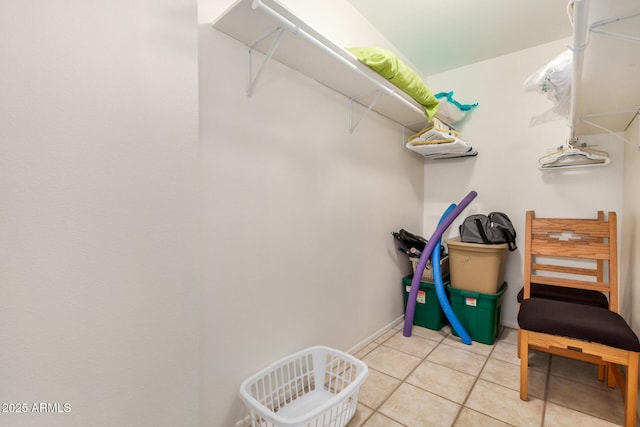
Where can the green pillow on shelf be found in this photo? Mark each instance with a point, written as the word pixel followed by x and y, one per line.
pixel 385 63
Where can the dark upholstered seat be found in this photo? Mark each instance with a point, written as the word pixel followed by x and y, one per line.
pixel 585 322
pixel 581 296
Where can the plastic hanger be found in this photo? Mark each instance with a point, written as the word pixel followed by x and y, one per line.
pixel 569 156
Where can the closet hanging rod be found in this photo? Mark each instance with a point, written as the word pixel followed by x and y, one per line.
pixel 580 31
pixel 296 30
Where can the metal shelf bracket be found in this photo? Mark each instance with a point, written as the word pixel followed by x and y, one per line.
pixel 252 82
pixel 353 125
pixel 596 28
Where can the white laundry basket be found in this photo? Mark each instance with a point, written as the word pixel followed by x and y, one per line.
pixel 315 387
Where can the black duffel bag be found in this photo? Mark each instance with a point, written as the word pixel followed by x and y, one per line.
pixel 488 229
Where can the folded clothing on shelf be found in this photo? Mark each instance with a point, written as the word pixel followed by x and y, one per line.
pixel 438 141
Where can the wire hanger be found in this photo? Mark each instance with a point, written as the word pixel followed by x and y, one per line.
pixel 568 156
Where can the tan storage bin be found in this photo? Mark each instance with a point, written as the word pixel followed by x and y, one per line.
pixel 476 267
pixel 427 276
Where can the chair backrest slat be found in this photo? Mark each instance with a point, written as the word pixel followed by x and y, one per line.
pixel 592 227
pixel 571 249
pixel 565 269
pixel 571 283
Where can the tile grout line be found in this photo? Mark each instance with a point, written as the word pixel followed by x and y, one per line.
pixel 376 409
pixel 463 405
pixel 547 372
pixel 402 381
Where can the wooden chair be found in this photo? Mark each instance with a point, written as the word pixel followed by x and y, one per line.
pixel 573 253
pixel 582 296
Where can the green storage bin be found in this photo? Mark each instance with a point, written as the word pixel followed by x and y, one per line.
pixel 478 313
pixel 428 313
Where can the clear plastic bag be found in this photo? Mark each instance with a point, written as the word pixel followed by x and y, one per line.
pixel 554 81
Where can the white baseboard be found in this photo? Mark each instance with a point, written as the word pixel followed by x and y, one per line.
pixel 362 344
pixel 245 422
pixel 512 325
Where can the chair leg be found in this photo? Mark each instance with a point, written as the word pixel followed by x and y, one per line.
pixel 631 395
pixel 523 340
pixel 611 378
pixel 601 372
pixel 518 334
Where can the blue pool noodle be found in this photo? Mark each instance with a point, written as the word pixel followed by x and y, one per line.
pixel 439 285
pixel 422 263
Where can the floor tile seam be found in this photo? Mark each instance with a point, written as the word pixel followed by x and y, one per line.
pixel 422 359
pixel 581 411
pixel 602 386
pixel 546 399
pixel 404 381
pixel 413 334
pixel 400 382
pixel 383 341
pixel 607 389
pixel 543 371
pixel 387 375
pixel 426 391
pixel 510 363
pixel 460 405
pixel 433 340
pixel 444 366
pixel 387 417
pixel 470 351
pixel 407 353
pixel 506 386
pixel 475 382
pixel 438 395
pixel 367 418
pixel 490 416
pixel 458 370
pixel 368 352
pixel 377 409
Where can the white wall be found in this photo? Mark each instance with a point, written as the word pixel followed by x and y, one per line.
pixel 505 173
pixel 297 219
pixel 629 254
pixel 99 188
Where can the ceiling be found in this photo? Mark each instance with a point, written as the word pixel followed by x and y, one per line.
pixel 440 35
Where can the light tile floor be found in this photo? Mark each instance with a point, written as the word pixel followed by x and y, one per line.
pixel 433 379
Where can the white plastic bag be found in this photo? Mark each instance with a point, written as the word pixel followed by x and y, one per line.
pixel 452 111
pixel 554 80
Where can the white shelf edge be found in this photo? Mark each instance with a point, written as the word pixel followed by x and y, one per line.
pixel 327 63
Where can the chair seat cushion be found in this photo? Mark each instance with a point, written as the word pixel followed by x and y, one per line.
pixel 581 296
pixel 585 322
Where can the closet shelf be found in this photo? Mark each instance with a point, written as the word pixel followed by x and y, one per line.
pixel 269 28
pixel 606 58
